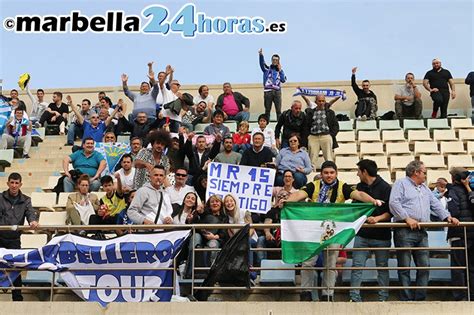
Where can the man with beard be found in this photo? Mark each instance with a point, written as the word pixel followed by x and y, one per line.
pixel 438 81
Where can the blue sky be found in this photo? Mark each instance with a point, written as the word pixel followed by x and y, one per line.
pixel 324 40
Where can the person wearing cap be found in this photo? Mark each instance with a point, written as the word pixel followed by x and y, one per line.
pixel 234 105
pixel 461 206
pixel 327 189
pixel 258 155
pixel 438 81
pixel 410 202
pixel 145 101
pixel 217 126
pixel 228 155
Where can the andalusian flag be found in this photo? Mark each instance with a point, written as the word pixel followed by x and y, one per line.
pixel 308 228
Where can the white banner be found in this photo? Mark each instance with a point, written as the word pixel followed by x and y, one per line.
pixel 106 263
pixel 251 186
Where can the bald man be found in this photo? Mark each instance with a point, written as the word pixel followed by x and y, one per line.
pixel 323 128
pixel 438 81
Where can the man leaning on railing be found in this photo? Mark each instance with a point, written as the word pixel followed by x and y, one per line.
pixel 410 202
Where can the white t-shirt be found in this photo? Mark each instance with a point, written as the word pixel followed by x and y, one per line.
pixel 127 180
pixel 269 136
pixel 166 97
pixel 403 90
pixel 209 99
pixel 177 196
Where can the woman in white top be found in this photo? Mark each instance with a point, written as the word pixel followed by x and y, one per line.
pixel 184 214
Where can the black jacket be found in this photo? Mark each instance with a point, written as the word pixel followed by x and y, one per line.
pixel 292 124
pixel 379 189
pixel 195 166
pixel 461 207
pixel 15 213
pixel 135 129
pixel 331 121
pixel 252 158
pixel 240 99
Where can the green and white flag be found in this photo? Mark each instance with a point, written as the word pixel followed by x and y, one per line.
pixel 308 228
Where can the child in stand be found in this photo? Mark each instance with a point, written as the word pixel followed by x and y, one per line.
pixel 241 138
pixel 440 192
pixel 268 132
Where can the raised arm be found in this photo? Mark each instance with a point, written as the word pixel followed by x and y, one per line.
pixel 79 117
pixel 169 71
pixel 355 87
pixel 127 92
pixel 109 119
pixel 32 99
pixel 261 60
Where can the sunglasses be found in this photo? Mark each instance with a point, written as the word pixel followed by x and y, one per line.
pixel 291 141
pixel 180 175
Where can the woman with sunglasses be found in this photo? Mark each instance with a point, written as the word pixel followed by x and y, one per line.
pixel 294 159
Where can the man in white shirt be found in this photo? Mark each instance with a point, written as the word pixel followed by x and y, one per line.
pixel 38 105
pixel 127 173
pixel 408 99
pixel 179 189
pixel 204 96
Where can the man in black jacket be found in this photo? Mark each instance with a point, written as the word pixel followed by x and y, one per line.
pixel 366 106
pixel 14 208
pixel 258 154
pixel 461 205
pixel 323 128
pixel 140 127
pixel 199 155
pixel 377 188
pixel 293 121
pixel 234 105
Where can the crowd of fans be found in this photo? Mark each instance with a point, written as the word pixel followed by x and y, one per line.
pixel 163 179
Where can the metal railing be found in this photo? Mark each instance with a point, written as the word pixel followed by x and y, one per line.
pixel 55 287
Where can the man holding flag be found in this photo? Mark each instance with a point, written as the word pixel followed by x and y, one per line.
pixel 322 223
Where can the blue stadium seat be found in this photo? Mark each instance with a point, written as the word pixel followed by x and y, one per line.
pixel 272 277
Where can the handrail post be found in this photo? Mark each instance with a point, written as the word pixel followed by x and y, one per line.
pixel 467 264
pixel 193 255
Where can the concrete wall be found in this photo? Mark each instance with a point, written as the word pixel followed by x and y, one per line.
pixel 384 89
pixel 224 308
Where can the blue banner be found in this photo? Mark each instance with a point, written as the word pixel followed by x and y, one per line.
pixel 112 153
pixel 129 261
pixel 5 110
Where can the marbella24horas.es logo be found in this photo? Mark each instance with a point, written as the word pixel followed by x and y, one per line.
pixel 154 19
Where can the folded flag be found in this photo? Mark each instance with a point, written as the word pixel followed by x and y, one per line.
pixel 308 228
pixel 325 92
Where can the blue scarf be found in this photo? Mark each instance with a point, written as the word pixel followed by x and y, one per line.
pixel 324 190
pixel 325 92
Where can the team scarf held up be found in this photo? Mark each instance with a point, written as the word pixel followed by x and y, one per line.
pixel 325 92
pixel 308 228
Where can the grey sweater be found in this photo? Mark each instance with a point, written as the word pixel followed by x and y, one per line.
pixel 145 205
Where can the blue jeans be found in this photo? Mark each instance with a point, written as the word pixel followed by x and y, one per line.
pixel 300 180
pixel 69 185
pixel 405 237
pixel 359 258
pixel 200 241
pixel 241 147
pixel 260 255
pixel 241 116
pixel 73 132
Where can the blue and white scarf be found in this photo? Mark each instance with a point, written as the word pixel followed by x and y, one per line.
pixel 325 92
pixel 324 191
